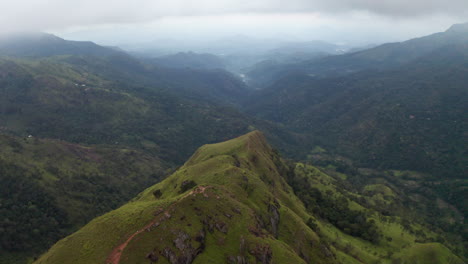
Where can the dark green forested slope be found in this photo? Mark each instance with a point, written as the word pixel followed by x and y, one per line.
pixel 50 188
pixel 203 84
pixel 51 99
pixel 411 118
pixel 206 85
pixel 231 203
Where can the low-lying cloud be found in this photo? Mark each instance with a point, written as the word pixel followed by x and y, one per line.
pixel 62 14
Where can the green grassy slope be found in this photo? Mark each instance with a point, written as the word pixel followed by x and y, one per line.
pixel 375 220
pixel 241 209
pixel 50 188
pixel 230 203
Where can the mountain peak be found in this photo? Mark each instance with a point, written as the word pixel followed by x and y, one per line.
pixel 251 142
pixel 229 205
pixel 459 28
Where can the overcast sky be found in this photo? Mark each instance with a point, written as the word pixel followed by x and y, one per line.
pixel 124 21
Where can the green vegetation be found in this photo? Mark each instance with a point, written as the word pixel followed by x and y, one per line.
pixel 242 209
pixel 411 118
pixel 78 102
pixel 399 208
pixel 50 188
pixel 408 118
pixel 427 253
pixel 129 115
pixel 85 128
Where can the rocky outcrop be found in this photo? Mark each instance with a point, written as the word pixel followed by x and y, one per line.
pixel 187 253
pixel 274 218
pixel 241 258
pixel 262 253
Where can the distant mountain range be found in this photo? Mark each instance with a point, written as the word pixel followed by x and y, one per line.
pixel 43 44
pixel 386 56
pixel 407 117
pixel 236 53
pixel 209 83
pixel 189 60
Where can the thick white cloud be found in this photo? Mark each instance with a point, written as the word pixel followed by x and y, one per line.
pixel 62 14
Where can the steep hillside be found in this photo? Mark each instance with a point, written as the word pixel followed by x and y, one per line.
pixel 50 188
pixel 230 203
pixel 408 118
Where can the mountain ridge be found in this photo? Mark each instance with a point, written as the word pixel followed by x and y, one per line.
pixel 462 27
pixel 231 203
pixel 236 159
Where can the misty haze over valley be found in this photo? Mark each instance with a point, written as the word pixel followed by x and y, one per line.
pixel 238 132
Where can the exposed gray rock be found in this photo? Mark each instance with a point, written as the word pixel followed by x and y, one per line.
pixel 274 219
pixel 186 252
pixel 222 227
pixel 153 257
pixel 262 254
pixel 237 260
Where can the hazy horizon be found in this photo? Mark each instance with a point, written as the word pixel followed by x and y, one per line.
pixel 145 23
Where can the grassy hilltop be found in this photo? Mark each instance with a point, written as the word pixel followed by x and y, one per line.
pixel 231 203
